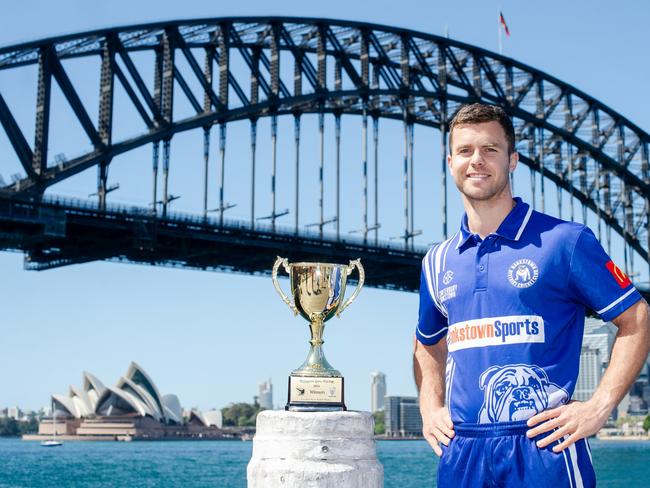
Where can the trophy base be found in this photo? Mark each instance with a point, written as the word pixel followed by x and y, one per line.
pixel 315 394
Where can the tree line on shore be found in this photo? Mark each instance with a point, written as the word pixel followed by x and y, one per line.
pixel 234 415
pixel 13 428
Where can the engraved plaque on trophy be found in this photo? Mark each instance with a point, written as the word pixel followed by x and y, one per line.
pixel 318 292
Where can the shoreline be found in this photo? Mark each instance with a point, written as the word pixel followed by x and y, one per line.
pixel 636 438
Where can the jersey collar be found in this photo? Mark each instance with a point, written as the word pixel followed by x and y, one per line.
pixel 511 228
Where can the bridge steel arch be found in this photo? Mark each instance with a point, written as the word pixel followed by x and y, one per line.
pixel 573 140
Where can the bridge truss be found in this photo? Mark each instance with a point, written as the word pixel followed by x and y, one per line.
pixel 293 67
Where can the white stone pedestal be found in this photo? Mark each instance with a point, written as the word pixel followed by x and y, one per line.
pixel 314 450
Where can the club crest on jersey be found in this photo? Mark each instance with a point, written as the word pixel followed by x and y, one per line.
pixel 523 273
pixel 449 275
pixel 517 392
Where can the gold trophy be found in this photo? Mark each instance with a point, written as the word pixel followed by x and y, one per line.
pixel 318 290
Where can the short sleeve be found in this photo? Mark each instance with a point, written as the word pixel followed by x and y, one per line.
pixel 596 282
pixel 432 325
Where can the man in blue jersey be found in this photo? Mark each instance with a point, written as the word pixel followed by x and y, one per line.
pixel 501 320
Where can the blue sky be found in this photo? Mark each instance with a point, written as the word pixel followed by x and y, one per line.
pixel 211 337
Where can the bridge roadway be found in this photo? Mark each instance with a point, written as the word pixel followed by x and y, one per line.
pixel 57 232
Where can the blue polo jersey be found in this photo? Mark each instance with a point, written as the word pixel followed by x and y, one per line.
pixel 511 308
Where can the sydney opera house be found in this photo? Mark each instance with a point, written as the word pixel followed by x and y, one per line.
pixel 132 409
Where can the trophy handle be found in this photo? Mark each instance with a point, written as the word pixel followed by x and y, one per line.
pixel 362 276
pixel 274 276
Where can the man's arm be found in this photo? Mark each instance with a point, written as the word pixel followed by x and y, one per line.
pixel 429 364
pixel 582 419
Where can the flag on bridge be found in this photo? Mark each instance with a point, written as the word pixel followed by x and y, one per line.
pixel 502 21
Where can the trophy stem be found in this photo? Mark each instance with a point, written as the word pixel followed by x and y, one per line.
pixel 316 364
pixel 317 326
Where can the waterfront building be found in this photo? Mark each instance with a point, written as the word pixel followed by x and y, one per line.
pixel 377 391
pixel 265 395
pixel 133 408
pixel 402 416
pixel 211 418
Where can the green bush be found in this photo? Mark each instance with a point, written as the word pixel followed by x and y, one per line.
pixel 379 423
pixel 240 415
pixel 9 428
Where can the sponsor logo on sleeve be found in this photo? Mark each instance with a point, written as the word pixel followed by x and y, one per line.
pixel 495 331
pixel 620 277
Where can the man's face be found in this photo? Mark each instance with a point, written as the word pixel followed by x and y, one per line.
pixel 479 161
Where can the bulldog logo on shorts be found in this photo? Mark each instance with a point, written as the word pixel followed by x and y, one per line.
pixel 517 392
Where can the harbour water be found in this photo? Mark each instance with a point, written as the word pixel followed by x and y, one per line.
pixel 223 464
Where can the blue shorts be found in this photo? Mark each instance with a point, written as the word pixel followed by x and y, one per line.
pixel 491 455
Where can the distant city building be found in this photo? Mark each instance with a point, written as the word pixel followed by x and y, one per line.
pixel 14 413
pixel 624 406
pixel 591 368
pixel 265 395
pixel 597 345
pixel 402 416
pixel 377 391
pixel 593 324
pixel 637 406
pixel 600 335
pixel 645 394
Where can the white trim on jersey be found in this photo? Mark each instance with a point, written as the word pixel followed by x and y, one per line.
pixel 429 336
pixel 428 271
pixel 432 268
pixel 451 365
pixel 523 224
pixel 460 238
pixel 573 455
pixel 437 270
pixel 616 302
pixel 566 462
pixel 588 451
pixel 444 260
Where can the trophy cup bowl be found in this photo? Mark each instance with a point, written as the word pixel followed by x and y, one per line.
pixel 318 292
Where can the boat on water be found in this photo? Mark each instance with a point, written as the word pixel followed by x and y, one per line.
pixel 53 442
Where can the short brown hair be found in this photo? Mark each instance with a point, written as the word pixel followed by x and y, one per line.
pixel 478 113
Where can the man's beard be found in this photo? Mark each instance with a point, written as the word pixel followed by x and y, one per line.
pixel 483 194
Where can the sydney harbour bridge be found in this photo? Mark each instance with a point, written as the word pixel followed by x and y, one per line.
pixel 154 82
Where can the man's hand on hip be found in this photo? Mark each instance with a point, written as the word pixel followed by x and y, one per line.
pixel 437 427
pixel 576 420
